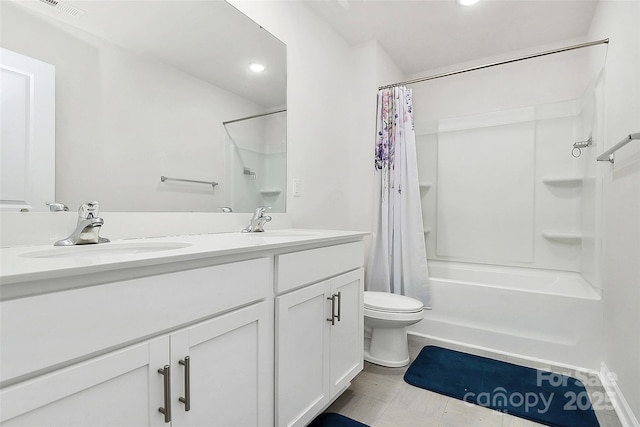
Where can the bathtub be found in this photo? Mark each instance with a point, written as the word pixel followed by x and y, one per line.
pixel 543 315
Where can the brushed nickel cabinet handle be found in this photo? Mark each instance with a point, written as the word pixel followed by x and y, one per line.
pixel 186 362
pixel 332 319
pixel 166 410
pixel 339 295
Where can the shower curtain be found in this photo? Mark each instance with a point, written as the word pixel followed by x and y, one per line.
pixel 398 258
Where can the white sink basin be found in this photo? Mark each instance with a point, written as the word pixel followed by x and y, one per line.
pixel 105 249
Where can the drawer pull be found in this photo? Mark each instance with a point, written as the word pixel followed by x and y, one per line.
pixel 332 319
pixel 166 410
pixel 186 362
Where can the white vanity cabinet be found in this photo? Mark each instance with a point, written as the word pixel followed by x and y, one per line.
pixel 227 345
pixel 114 389
pixel 225 358
pixel 319 329
pixel 230 363
pixel 242 331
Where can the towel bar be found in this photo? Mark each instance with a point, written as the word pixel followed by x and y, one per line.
pixel 608 155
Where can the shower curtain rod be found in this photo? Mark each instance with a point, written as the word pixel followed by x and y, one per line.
pixel 493 64
pixel 254 117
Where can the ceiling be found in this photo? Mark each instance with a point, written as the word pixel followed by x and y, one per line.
pixel 422 35
pixel 419 35
pixel 210 40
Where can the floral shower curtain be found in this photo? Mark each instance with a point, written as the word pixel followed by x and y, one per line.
pixel 398 258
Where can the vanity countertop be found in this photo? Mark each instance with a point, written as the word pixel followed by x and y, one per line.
pixel 46 262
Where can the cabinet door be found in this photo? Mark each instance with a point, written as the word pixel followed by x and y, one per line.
pixel 347 334
pixel 302 354
pixel 230 371
pixel 122 388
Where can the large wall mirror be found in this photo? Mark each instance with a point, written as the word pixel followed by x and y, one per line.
pixel 150 89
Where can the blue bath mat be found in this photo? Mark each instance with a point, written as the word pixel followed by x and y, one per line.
pixel 329 419
pixel 544 397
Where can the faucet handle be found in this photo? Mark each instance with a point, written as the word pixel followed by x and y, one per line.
pixel 261 210
pixel 88 210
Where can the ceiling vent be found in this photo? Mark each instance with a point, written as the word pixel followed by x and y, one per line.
pixel 65 8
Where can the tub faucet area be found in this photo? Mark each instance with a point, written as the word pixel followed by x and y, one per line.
pixel 87 229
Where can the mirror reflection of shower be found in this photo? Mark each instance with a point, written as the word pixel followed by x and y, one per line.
pixel 256 154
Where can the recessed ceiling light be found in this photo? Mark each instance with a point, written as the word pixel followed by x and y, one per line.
pixel 467 2
pixel 256 68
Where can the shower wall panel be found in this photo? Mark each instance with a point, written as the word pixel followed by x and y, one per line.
pixel 495 147
pixel 557 203
pixel 485 203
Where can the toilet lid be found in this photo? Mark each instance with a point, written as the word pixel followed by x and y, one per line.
pixel 383 301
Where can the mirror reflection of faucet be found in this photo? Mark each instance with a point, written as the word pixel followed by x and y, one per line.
pixel 57 207
pixel 258 221
pixel 87 229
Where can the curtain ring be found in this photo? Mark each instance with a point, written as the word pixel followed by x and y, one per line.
pixel 573 152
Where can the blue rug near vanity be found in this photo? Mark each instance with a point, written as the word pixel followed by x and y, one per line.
pixel 544 397
pixel 329 419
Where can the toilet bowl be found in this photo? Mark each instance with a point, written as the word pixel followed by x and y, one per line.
pixel 386 317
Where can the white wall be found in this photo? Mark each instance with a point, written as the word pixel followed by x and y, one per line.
pixel 620 21
pixel 373 68
pixel 122 121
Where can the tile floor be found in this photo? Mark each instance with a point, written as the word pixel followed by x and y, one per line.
pixel 379 397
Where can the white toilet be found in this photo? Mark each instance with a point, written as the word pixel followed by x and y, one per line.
pixel 386 317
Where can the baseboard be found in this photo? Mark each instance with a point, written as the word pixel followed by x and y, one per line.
pixel 531 362
pixel 620 404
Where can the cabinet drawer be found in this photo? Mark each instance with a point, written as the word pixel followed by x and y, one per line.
pixel 45 330
pixel 297 269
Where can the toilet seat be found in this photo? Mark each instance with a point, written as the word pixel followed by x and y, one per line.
pixel 391 303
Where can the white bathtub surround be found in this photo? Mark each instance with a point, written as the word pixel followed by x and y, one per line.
pixel 540 314
pixel 526 281
pixel 398 259
pixel 505 187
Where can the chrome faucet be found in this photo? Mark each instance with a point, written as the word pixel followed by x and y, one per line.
pixel 258 221
pixel 88 227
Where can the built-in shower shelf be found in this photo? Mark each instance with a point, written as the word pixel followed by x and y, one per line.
pixel 563 181
pixel 570 237
pixel 424 187
pixel 270 191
